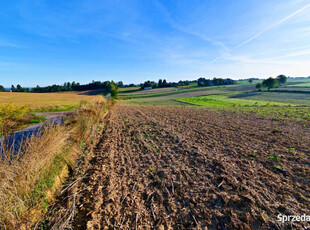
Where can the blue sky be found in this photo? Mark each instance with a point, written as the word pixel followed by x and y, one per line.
pixel 49 41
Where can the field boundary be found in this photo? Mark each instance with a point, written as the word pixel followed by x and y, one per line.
pixel 40 170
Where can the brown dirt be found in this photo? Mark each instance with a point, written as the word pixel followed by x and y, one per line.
pixel 186 168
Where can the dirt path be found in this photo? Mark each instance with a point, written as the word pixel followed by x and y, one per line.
pixel 184 168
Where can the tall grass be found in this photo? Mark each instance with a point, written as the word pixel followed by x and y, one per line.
pixel 10 116
pixel 29 178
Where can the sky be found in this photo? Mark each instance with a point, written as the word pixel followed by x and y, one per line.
pixel 47 42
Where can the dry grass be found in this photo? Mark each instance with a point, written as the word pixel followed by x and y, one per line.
pixel 39 101
pixel 27 179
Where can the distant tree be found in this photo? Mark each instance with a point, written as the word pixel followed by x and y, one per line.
pixel 183 83
pixel 203 82
pixel 19 88
pixel 120 84
pixel 259 86
pixel 281 79
pixel 250 80
pixel 114 89
pixel 221 81
pixel 131 85
pixel 229 81
pixel 2 89
pixel 216 81
pixel 147 84
pixel 269 83
pixel 13 88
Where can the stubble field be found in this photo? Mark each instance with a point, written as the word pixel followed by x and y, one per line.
pixel 45 102
pixel 188 168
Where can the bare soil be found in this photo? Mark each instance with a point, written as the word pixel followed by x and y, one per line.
pixel 189 168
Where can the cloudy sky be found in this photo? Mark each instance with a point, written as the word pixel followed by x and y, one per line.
pixel 46 41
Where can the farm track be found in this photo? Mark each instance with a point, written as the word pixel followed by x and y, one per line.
pixel 185 168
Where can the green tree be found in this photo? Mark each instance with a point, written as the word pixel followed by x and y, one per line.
pixel 114 89
pixel 250 80
pixel 19 88
pixel 281 79
pixel 2 89
pixel 259 86
pixel 270 83
pixel 13 88
pixel 216 81
pixel 160 83
pixel 203 82
pixel 120 84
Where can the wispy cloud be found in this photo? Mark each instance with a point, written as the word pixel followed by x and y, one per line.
pixel 274 25
pixel 8 44
pixel 188 28
pixel 227 53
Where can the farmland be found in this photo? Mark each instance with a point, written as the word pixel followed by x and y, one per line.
pixel 186 158
pixel 45 102
pixel 155 115
pixel 197 158
pixel 180 168
pixel 251 106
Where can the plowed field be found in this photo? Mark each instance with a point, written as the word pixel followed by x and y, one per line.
pixel 187 168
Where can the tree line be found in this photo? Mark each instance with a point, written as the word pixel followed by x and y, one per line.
pixel 107 86
pixel 200 82
pixel 270 83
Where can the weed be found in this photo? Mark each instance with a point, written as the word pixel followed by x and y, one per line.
pixel 278 167
pixel 82 144
pixel 271 157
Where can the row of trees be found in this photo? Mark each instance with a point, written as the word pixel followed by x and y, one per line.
pixel 19 88
pixel 200 82
pixel 160 84
pixel 270 83
pixel 107 86
pixel 215 81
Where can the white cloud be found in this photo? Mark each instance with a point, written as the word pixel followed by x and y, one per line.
pixel 274 25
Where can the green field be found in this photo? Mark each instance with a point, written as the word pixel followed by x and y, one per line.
pixel 256 105
pixel 242 97
pixel 305 84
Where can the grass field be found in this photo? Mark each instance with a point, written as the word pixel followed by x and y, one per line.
pixel 283 97
pixel 46 102
pixel 235 98
pixel 270 107
pixel 306 84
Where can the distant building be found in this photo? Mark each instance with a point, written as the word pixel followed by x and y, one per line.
pixel 146 88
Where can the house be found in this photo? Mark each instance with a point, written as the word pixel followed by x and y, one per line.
pixel 146 88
